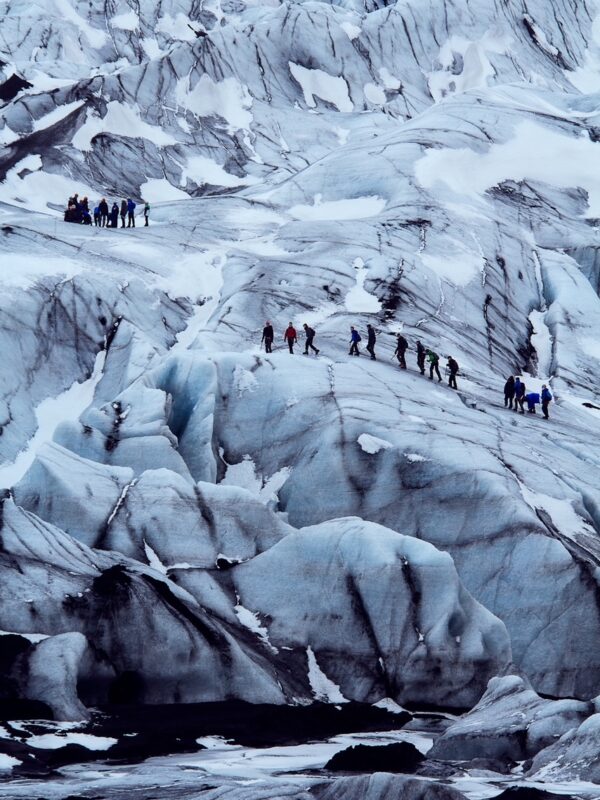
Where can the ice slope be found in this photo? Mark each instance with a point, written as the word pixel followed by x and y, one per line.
pixel 430 169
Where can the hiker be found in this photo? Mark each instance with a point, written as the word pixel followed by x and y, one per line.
pixel 290 337
pixel 146 213
pixel 85 206
pixel 509 392
pixel 267 337
pixel 371 339
pixel 114 216
pixel 96 216
pixel 421 357
pixel 532 398
pixel 355 338
pixel 434 361
pixel 452 365
pixel 103 208
pixel 519 395
pixel 401 347
pixel 87 220
pixel 546 400
pixel 130 210
pixel 310 335
pixel 123 212
pixel 70 214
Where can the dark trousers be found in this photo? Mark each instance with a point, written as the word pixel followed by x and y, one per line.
pixel 371 349
pixel 104 220
pixel 519 402
pixel 309 343
pixel 130 220
pixel 452 381
pixel 401 359
pixel 268 343
pixel 508 400
pixel 96 220
pixel 290 343
pixel 421 363
pixel 145 220
pixel 122 220
pixel 353 349
pixel 435 367
pixel 545 405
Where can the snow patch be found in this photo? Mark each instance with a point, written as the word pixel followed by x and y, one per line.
pixel 316 83
pixel 159 190
pixel 52 741
pixel 415 458
pixel 355 208
pixel 56 115
pixel 374 94
pixel 176 27
pixel 358 300
pixel 228 99
pixel 203 170
pixel 129 21
pixel 8 762
pixel 352 31
pixel 373 444
pixel 324 689
pixel 249 619
pixel 120 120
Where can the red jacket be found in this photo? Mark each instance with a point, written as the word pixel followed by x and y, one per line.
pixel 290 334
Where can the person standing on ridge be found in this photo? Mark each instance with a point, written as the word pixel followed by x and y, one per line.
pixel 371 340
pixel 546 400
pixel 114 216
pixel 421 352
pixel 519 395
pixel 509 392
pixel 453 371
pixel 130 210
pixel 267 336
pixel 401 347
pixel 103 208
pixel 355 338
pixel 291 337
pixel 123 212
pixel 434 361
pixel 146 213
pixel 97 216
pixel 310 335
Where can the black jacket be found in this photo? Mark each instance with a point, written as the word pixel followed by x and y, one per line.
pixel 371 337
pixel 401 345
pixel 268 332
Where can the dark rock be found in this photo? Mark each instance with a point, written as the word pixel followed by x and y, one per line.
pixel 397 757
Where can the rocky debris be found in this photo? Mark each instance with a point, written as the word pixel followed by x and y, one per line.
pixel 398 757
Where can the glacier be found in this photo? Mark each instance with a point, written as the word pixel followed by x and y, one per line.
pixel 186 519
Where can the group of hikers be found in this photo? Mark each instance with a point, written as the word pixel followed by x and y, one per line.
pixel 516 395
pixel 424 354
pixel 514 390
pixel 78 211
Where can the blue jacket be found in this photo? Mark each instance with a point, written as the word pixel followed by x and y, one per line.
pixel 130 206
pixel 546 396
pixel 533 398
pixel 354 336
pixel 519 388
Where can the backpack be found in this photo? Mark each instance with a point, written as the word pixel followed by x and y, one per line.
pixel 358 337
pixel 310 332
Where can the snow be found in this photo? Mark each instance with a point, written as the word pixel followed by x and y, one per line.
pixel 176 27
pixel 355 208
pixel 96 37
pixel 541 339
pixel 129 21
pixel 8 762
pixel 351 30
pixel 244 474
pixel 358 300
pixel 52 741
pixel 204 170
pixel 476 67
pixel 120 120
pixel 228 99
pixel 414 458
pixel 56 115
pixel 374 93
pixel 29 186
pixel 49 414
pixel 154 561
pixel 317 83
pixel 23 271
pixel 388 80
pixel 324 689
pixel 251 621
pixel 535 152
pixel 373 444
pixel 458 265
pixel 159 190
pixel 34 638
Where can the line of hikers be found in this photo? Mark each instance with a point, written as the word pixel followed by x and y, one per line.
pixel 78 211
pixel 516 395
pixel 424 354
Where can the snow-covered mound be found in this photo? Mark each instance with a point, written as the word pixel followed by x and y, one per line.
pixel 189 518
